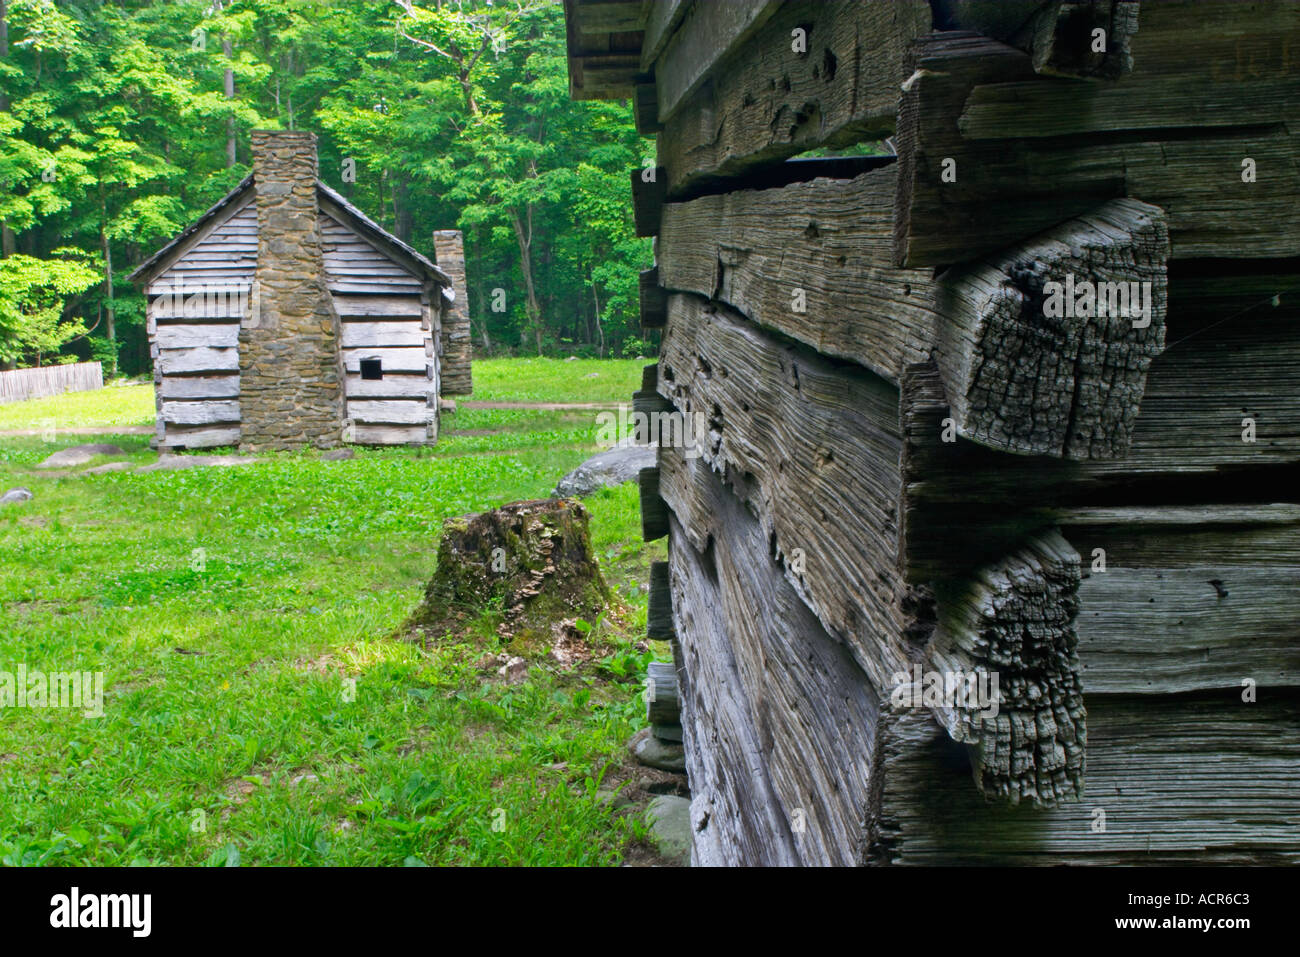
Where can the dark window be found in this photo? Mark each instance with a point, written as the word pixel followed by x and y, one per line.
pixel 372 369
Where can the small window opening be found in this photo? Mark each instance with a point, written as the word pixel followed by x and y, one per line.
pixel 372 368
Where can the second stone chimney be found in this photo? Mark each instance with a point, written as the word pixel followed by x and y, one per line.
pixel 291 375
pixel 457 344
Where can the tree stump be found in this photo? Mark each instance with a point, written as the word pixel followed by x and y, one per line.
pixel 533 560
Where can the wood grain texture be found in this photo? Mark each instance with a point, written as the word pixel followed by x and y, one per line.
pixel 772 699
pixel 811 260
pixel 771 103
pixel 706 35
pixel 1003 190
pixel 198 359
pixel 1187 598
pixel 1181 779
pixel 1014 619
pixel 1033 365
pixel 1230 355
pixel 200 412
pixel 812 448
pixel 389 411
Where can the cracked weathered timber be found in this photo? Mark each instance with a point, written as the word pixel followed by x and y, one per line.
pixel 1181 598
pixel 813 448
pixel 773 103
pixel 777 717
pixel 1004 182
pixel 1015 619
pixel 812 260
pixel 1021 377
pixel 1170 780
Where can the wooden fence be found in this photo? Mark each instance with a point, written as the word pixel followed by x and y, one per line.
pixel 22 384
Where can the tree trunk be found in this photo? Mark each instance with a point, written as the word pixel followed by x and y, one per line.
pixel 600 332
pixel 227 49
pixel 401 208
pixel 6 234
pixel 110 326
pixel 531 305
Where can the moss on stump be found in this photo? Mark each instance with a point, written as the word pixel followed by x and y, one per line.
pixel 532 560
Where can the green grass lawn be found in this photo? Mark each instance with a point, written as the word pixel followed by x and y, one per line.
pixel 258 708
pixel 557 380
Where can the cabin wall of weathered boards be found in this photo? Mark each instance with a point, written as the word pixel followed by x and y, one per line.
pixel 918 459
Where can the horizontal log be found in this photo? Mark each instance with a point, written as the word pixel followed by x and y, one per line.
pixel 735 815
pixel 389 411
pixel 770 696
pixel 811 260
pixel 408 360
pixel 812 448
pixel 199 387
pixel 1165 785
pixel 1187 598
pixel 197 359
pixel 706 35
pixel 216 335
pixel 773 103
pixel 360 434
pixel 200 412
pixel 202 437
pixel 391 387
pixel 661 20
pixel 349 306
pixel 961 197
pixel 362 335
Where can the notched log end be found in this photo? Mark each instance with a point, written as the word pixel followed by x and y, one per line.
pixel 1014 622
pixel 1046 347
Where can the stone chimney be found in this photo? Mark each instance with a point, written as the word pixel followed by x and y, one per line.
pixel 291 375
pixel 457 345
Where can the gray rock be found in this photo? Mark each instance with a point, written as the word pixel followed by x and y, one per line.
pixel 109 467
pixel 78 455
pixel 667 732
pixel 669 817
pixel 611 467
pixel 171 463
pixel 654 753
pixel 337 455
pixel 19 494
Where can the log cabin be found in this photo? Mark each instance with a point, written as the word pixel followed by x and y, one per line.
pixel 285 317
pixel 918 476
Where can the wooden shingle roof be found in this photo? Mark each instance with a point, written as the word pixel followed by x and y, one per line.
pixel 329 199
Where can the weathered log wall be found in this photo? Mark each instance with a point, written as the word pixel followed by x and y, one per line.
pixel 1015 400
